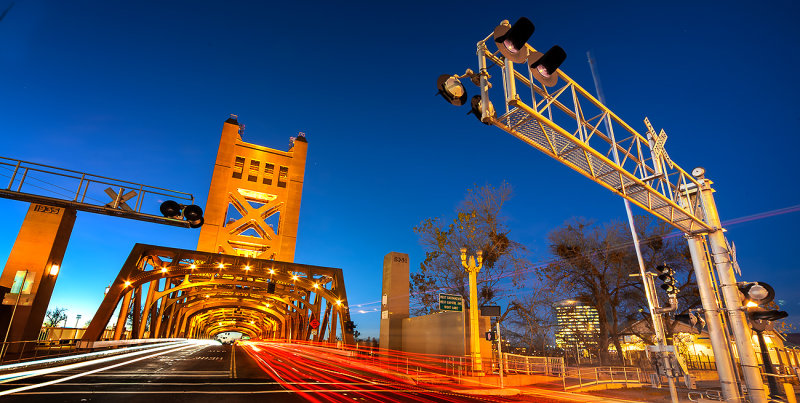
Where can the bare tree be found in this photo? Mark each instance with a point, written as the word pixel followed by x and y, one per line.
pixel 478 226
pixel 55 316
pixel 594 263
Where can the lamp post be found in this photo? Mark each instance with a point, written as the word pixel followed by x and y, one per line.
pixel 473 269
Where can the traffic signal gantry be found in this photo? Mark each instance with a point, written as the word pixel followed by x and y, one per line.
pixel 558 117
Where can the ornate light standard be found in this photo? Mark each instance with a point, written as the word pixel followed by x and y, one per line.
pixel 473 269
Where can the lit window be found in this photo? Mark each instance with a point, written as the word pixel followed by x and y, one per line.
pixel 269 171
pixel 283 176
pixel 238 167
pixel 253 174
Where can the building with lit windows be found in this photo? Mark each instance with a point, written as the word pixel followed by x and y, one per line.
pixel 577 325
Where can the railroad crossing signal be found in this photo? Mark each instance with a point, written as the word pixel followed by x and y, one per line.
pixel 119 199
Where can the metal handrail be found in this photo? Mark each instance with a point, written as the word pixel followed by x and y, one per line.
pixel 52 194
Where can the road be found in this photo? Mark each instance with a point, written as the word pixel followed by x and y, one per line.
pixel 196 373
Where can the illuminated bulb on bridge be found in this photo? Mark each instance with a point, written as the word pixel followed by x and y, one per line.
pixel 252 322
pixel 294 277
pixel 268 305
pixel 193 266
pixel 221 266
pixel 207 295
pixel 164 269
pixel 338 302
pixel 127 283
pixel 316 285
pixel 271 271
pixel 247 268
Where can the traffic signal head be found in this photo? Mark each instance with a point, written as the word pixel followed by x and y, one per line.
pixel 475 108
pixel 191 213
pixel 765 314
pixel 544 65
pixel 695 320
pixel 170 209
pixel 757 293
pixel 349 326
pixel 663 269
pixel 511 39
pixel 666 275
pixel 451 89
pixel 670 289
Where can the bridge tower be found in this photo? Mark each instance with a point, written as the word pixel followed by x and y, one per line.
pixel 253 202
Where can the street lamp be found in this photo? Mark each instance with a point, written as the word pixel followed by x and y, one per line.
pixel 473 269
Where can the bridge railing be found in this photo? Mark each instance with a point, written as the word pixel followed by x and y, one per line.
pixel 52 342
pixel 577 378
pixel 528 365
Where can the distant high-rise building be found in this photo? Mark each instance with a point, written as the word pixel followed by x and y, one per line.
pixel 578 325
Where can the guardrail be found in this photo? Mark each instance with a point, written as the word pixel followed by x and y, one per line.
pixel 577 378
pixel 29 350
pixel 523 364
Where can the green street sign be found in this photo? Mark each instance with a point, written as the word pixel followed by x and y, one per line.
pixel 450 302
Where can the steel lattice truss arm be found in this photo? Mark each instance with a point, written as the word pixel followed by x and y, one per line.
pixel 572 126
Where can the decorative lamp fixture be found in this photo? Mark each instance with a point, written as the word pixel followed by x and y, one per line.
pixel 54 270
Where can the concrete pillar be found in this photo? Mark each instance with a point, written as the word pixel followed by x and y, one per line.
pixel 40 245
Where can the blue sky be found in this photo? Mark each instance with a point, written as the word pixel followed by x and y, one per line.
pixel 139 91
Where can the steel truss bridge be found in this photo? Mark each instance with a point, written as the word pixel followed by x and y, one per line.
pixel 171 293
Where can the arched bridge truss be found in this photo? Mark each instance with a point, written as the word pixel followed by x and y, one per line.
pixel 166 292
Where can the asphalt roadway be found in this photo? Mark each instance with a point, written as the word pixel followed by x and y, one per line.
pixel 206 373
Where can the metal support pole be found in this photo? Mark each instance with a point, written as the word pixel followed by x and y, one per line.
pixel 500 353
pixel 484 81
pixel 652 303
pixel 716 331
pixel 732 298
pixel 762 343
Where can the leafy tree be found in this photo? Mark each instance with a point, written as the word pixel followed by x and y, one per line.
pixel 478 226
pixel 594 263
pixel 55 316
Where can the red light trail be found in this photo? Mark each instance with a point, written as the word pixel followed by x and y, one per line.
pixel 321 373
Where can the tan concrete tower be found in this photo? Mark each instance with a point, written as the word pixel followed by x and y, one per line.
pixel 394 300
pixel 253 203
